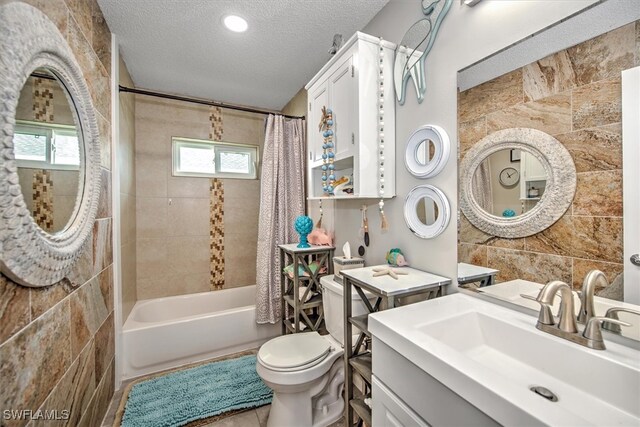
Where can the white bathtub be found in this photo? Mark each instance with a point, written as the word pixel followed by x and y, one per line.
pixel 168 332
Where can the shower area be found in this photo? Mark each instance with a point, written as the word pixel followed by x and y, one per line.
pixel 189 286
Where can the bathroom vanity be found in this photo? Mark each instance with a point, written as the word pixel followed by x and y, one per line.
pixel 472 362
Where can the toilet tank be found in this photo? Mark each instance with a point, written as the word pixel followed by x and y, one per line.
pixel 333 306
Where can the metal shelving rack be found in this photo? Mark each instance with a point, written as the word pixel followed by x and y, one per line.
pixel 387 291
pixel 310 312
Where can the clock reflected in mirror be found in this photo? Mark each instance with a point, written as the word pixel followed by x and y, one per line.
pixel 507 188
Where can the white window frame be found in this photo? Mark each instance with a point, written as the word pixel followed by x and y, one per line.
pixel 217 146
pixel 45 129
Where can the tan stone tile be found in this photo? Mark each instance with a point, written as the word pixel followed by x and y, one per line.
pixel 182 186
pixel 170 285
pixel 129 295
pixel 637 43
pixel 470 234
pixel 551 115
pixel 35 359
pixel 105 346
pixel 152 217
pixel 605 56
pixel 472 254
pixel 188 254
pixel 74 391
pixel 88 311
pixel 104 202
pixel 595 149
pixel 127 218
pixel 243 419
pixel 102 245
pixel 100 402
pixel 42 299
pixel 469 133
pixel 56 10
pixel 557 239
pixel 497 94
pixel 152 175
pixel 583 266
pixel 101 37
pixel 104 129
pixel 105 279
pixel 81 12
pixel 263 413
pixel 536 267
pixel 597 104
pixel 152 256
pixel 188 217
pixel 83 268
pixel 549 76
pixel 499 242
pixel 598 194
pixel 14 308
pixel 598 238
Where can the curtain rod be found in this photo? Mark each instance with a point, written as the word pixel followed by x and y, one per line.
pixel 202 101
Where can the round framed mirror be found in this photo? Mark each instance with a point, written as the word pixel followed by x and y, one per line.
pixel 427 151
pixel 427 211
pixel 50 162
pixel 516 182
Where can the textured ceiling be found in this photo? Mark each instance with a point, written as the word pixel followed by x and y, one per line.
pixel 181 46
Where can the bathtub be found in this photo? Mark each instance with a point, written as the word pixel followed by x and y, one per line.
pixel 164 333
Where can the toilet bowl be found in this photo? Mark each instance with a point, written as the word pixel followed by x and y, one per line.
pixel 306 370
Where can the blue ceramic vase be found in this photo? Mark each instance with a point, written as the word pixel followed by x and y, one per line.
pixel 303 226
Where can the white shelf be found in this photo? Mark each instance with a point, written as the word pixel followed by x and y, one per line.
pixel 348 197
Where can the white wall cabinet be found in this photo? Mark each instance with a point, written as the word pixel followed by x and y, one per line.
pixel 348 85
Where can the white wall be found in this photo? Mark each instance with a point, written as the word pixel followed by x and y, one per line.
pixel 466 36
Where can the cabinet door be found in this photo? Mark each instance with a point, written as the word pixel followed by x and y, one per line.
pixel 342 97
pixel 318 98
pixel 390 411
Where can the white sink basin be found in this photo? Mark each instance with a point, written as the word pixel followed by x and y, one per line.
pixel 491 356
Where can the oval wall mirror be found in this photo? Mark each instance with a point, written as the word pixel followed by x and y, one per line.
pixel 50 164
pixel 427 151
pixel 427 211
pixel 516 182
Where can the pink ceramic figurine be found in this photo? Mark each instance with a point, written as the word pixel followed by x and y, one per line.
pixel 320 237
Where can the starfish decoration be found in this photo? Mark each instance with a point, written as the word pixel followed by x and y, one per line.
pixel 323 120
pixel 390 271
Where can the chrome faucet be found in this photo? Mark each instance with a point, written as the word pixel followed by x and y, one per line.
pixel 566 314
pixel 567 327
pixel 591 280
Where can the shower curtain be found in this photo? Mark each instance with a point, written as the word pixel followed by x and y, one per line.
pixel 481 187
pixel 282 199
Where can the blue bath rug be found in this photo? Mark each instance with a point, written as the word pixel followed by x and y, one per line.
pixel 204 391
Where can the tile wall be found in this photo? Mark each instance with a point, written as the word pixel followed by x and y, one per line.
pixel 173 213
pixel 127 170
pixel 57 343
pixel 574 95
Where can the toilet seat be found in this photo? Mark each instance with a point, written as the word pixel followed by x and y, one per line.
pixel 294 352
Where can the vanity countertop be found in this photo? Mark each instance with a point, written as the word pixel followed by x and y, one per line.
pixel 491 356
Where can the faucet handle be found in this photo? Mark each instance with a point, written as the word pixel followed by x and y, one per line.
pixel 546 316
pixel 593 333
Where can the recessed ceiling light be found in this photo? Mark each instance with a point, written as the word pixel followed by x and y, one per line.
pixel 235 23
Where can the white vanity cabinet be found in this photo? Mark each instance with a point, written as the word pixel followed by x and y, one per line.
pixel 348 85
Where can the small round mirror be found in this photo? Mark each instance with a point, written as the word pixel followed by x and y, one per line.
pixel 425 152
pixel 47 151
pixel 426 211
pixel 509 183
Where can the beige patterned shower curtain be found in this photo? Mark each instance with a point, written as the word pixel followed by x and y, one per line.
pixel 282 199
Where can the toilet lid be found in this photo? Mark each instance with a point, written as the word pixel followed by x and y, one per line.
pixel 295 350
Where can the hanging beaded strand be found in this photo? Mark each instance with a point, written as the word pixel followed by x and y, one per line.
pixel 384 225
pixel 328 175
pixel 319 223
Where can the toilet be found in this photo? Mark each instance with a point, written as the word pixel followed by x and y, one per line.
pixel 306 370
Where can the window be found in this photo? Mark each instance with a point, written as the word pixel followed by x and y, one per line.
pixel 46 146
pixel 201 158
